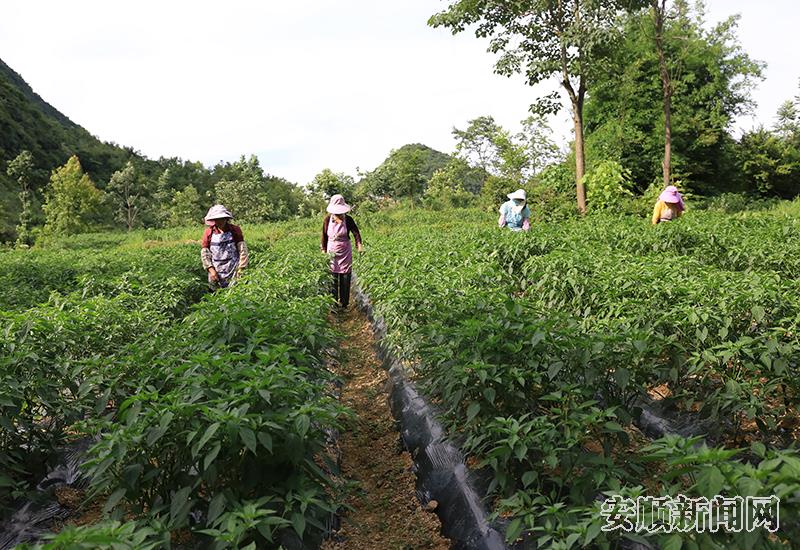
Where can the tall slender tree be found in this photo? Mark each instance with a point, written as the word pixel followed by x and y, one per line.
pixel 21 169
pixel 477 145
pixel 658 13
pixel 127 191
pixel 544 38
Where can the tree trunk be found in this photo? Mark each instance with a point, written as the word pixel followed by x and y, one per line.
pixel 580 162
pixel 659 14
pixel 576 98
pixel 131 214
pixel 667 139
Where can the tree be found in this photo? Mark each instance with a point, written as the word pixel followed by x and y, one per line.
pixel 788 120
pixel 543 38
pixel 537 138
pixel 248 200
pixel 446 186
pixel 607 185
pixel 495 190
pixel 254 196
pixel 409 174
pixel 404 173
pixel 327 183
pixel 658 11
pixel 711 79
pixel 512 157
pixel 477 143
pixel 21 169
pixel 493 150
pixel 72 202
pixel 770 160
pixel 185 207
pixel 127 191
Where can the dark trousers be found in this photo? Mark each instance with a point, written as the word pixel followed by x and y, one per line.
pixel 341 288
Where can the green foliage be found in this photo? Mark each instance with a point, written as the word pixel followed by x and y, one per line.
pixel 72 204
pixel 21 169
pixel 253 196
pixel 492 150
pixel 173 177
pixel 529 38
pixel 327 183
pixel 513 158
pixel 106 535
pixel 53 355
pixel 404 174
pixel 552 194
pixel 186 208
pixel 770 160
pixel 537 137
pixel 495 190
pixel 234 406
pixel 536 347
pixel 143 197
pixel 223 412
pixel 540 39
pixel 476 144
pixel 711 78
pixel 607 185
pixel 30 123
pixel 733 203
pixel 126 189
pixel 446 188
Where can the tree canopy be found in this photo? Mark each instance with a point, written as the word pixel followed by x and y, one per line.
pixel 711 78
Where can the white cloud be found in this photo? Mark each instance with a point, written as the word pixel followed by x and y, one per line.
pixel 303 84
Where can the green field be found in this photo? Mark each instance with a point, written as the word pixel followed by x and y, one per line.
pixel 538 349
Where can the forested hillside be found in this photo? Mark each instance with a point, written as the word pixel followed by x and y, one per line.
pixel 28 122
pixel 124 188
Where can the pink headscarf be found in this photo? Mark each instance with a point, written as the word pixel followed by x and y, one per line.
pixel 673 196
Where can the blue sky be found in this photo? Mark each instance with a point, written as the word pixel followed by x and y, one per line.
pixel 305 84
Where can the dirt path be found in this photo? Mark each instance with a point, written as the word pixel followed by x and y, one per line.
pixel 386 514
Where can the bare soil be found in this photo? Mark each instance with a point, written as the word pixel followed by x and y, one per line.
pixel 385 513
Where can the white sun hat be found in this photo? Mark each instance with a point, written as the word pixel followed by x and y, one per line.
pixel 337 205
pixel 518 194
pixel 217 212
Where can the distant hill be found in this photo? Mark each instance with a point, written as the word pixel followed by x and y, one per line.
pixel 433 159
pixel 28 122
pixel 19 83
pixel 390 178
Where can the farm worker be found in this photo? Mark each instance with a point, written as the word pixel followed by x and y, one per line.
pixel 669 206
pixel 514 213
pixel 224 253
pixel 336 229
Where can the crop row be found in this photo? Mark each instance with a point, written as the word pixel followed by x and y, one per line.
pixel 723 339
pixel 30 276
pixel 216 427
pixel 536 346
pixel 52 355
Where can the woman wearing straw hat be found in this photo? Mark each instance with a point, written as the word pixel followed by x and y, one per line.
pixel 223 250
pixel 669 206
pixel 514 213
pixel 336 229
